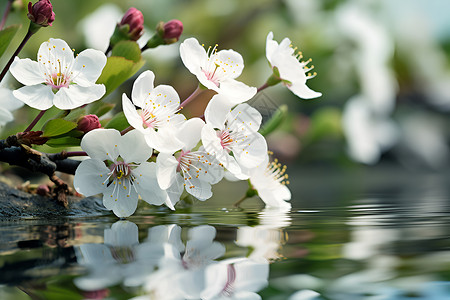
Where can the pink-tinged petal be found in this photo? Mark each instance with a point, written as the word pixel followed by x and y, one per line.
pixel 88 66
pixel 133 148
pixel 90 177
pixel 193 55
pixel 236 91
pixel 201 76
pixel 271 47
pixel 26 71
pixel 147 184
pixel 101 144
pixel 167 169
pixel 123 202
pixel 254 154
pixel 76 95
pixel 142 87
pixel 231 62
pixel 303 91
pixel 189 133
pixel 133 117
pixel 36 96
pixel 216 111
pixel 55 49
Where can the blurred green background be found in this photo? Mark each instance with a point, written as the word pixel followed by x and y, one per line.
pixel 383 69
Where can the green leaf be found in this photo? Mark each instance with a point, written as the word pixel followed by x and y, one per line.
pixel 127 49
pixel 6 35
pixel 118 122
pixel 75 114
pixel 275 121
pixel 57 127
pixel 117 70
pixel 66 141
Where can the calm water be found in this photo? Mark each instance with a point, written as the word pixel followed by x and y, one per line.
pixel 358 236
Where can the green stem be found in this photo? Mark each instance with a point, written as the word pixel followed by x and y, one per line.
pixel 264 86
pixel 38 117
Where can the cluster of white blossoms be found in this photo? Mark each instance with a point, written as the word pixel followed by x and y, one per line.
pixel 162 154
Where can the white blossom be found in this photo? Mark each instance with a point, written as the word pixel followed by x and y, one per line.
pixel 124 177
pixel 217 70
pixel 156 116
pixel 292 71
pixel 57 78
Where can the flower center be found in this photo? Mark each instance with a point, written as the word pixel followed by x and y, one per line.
pixel 148 118
pixel 120 169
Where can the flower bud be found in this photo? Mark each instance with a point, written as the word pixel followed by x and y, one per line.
pixel 172 31
pixel 135 20
pixel 41 13
pixel 88 123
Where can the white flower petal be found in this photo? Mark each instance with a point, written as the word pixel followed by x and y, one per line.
pixel 164 140
pixel 5 116
pixel 271 47
pixel 133 117
pixel 101 144
pixel 174 192
pixel 134 148
pixel 275 197
pixel 254 153
pixel 76 95
pixel 192 54
pixel 303 91
pixel 88 66
pixel 190 132
pixel 236 91
pixel 196 187
pixel 167 170
pixel 231 62
pixel 244 118
pixel 36 96
pixel 147 184
pixel 90 176
pixel 26 71
pixel 123 202
pixel 55 49
pixel 142 86
pixel 216 111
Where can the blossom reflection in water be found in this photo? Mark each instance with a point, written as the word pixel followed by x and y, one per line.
pixel 164 267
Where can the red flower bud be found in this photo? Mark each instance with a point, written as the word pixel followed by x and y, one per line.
pixel 133 18
pixel 41 13
pixel 88 123
pixel 173 30
pixel 43 190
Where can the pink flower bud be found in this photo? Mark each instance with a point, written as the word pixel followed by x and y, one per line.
pixel 41 13
pixel 133 18
pixel 88 123
pixel 173 30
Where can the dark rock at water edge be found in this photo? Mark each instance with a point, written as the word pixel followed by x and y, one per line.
pixel 16 204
